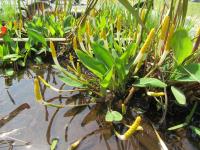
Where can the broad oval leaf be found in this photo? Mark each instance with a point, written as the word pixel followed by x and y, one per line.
pixel 117 116
pixel 150 82
pixel 109 117
pixel 179 95
pixel 181 45
pixel 113 116
pixel 92 64
pixel 190 73
pixel 103 55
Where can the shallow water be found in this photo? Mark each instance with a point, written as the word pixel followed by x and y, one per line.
pixel 33 126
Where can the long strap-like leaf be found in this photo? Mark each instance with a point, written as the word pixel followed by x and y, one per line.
pixel 128 6
pixel 184 9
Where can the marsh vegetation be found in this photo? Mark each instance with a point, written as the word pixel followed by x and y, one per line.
pixel 118 74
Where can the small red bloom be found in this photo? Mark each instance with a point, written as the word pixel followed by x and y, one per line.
pixel 3 29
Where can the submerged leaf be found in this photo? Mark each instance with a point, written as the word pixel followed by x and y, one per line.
pixel 74 111
pixel 13 114
pixel 179 95
pixel 91 116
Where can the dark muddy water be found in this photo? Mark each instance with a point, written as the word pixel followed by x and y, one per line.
pixel 25 124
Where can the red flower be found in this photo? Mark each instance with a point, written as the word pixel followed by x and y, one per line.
pixel 3 29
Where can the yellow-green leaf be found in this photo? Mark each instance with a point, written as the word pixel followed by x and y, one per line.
pixel 181 45
pixel 179 95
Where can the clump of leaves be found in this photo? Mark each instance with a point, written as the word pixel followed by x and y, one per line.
pixel 154 59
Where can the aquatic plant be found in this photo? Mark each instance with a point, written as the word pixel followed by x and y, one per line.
pixel 157 62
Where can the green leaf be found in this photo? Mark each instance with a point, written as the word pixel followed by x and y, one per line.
pixel 38 60
pixel 68 22
pixel 106 81
pixel 184 9
pixel 120 70
pixel 94 65
pixel 1 51
pixel 149 82
pixel 117 48
pixel 9 72
pixel 69 81
pixel 177 126
pixel 134 12
pixel 190 73
pixel 7 39
pixel 39 22
pixel 102 22
pixel 196 130
pixel 179 95
pixel 103 55
pixel 51 29
pixel 12 57
pixel 109 117
pixel 36 36
pixel 181 45
pixel 130 52
pixel 113 116
pixel 21 63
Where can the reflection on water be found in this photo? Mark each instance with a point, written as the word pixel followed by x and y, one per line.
pixel 25 124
